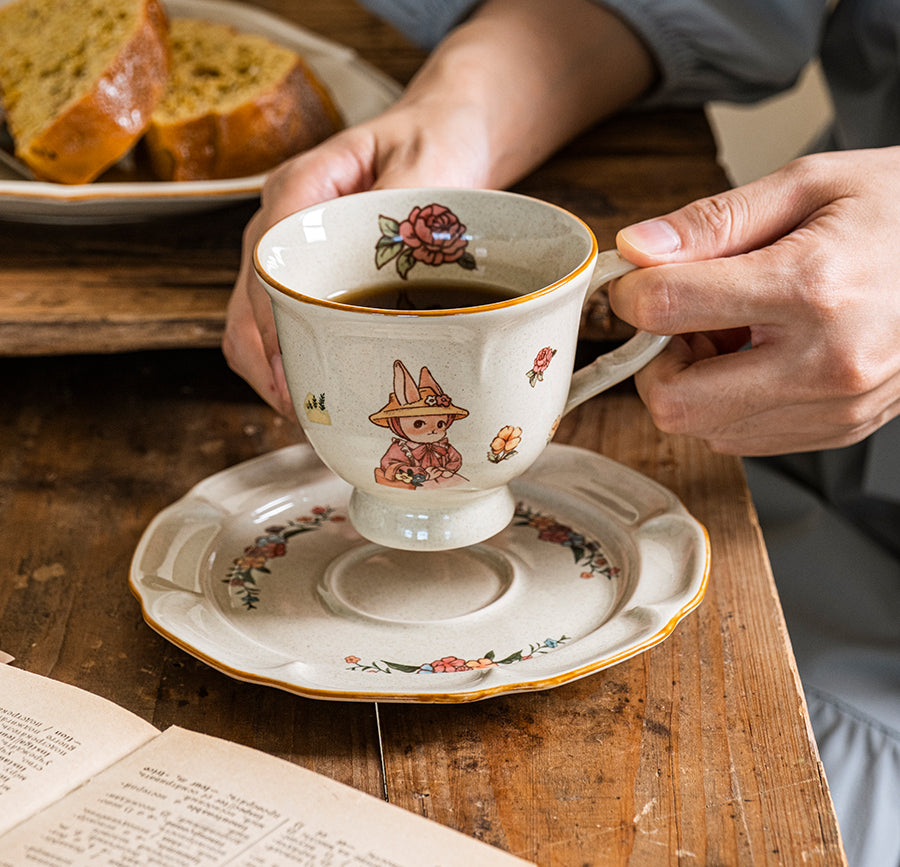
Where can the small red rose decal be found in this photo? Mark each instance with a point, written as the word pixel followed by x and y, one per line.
pixel 541 363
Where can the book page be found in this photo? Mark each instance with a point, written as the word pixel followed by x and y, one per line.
pixel 53 737
pixel 190 800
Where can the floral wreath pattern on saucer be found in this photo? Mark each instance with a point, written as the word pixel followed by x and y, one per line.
pixel 243 586
pixel 241 579
pixel 587 553
pixel 454 664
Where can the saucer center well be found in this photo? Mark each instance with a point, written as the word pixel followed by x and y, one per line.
pixel 415 587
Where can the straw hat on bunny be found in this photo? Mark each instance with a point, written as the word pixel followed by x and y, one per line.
pixel 408 399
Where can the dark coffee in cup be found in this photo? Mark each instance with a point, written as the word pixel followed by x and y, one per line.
pixel 426 295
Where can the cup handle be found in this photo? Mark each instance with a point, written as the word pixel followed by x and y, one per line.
pixel 612 367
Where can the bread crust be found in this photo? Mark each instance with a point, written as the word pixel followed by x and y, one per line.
pixel 292 115
pixel 98 129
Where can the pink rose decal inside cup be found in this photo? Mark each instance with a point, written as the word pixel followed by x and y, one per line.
pixel 432 234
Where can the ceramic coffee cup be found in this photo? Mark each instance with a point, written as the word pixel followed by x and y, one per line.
pixel 430 413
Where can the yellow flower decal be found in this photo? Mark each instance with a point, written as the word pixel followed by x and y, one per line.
pixel 504 445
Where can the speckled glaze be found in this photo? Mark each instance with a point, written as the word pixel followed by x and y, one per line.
pixel 429 415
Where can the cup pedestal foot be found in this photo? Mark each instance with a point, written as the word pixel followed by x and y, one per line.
pixel 399 524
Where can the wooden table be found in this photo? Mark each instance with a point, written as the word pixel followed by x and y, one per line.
pixel 695 752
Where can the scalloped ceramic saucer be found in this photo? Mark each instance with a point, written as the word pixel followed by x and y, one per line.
pixel 257 572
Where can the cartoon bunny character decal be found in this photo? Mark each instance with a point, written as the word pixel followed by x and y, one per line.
pixel 419 416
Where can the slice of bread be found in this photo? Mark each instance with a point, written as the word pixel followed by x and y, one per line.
pixel 236 104
pixel 78 81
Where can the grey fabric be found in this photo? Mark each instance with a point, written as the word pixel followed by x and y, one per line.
pixel 861 59
pixel 743 50
pixel 425 22
pixel 840 590
pixel 861 482
pixel 862 762
pixel 739 50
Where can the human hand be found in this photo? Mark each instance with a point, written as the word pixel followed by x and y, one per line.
pixel 250 344
pixel 802 266
pixel 371 155
pixel 501 92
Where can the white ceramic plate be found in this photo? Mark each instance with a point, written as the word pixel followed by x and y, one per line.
pixel 257 572
pixel 359 90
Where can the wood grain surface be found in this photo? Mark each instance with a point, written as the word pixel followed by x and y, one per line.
pixel 697 751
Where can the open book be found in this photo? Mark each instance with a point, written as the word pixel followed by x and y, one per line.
pixel 83 781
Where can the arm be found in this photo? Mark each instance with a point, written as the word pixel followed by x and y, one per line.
pixel 504 90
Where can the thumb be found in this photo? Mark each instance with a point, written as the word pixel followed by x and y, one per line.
pixel 736 221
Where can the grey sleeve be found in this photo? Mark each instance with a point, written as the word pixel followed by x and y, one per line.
pixel 425 22
pixel 739 50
